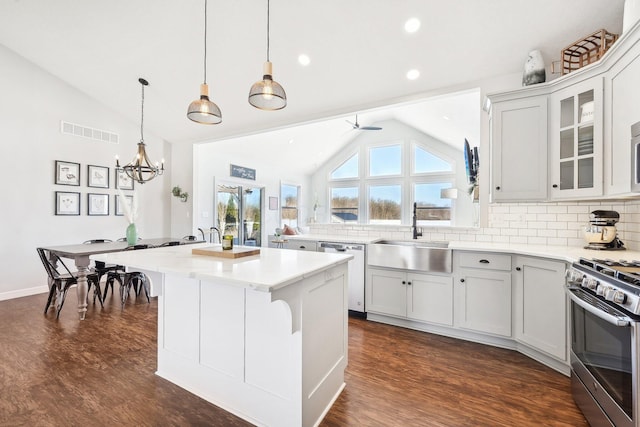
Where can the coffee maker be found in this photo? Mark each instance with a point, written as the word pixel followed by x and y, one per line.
pixel 601 232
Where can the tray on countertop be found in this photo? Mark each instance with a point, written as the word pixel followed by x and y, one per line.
pixel 229 253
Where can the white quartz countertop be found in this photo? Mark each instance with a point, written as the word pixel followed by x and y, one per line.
pixel 563 253
pixel 331 238
pixel 271 270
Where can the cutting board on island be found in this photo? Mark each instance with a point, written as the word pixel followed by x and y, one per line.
pixel 217 251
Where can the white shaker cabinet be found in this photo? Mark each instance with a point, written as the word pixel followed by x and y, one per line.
pixel 519 149
pixel 575 140
pixel 541 305
pixel 415 296
pixel 483 292
pixel 622 109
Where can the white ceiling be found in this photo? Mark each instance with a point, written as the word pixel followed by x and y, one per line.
pixel 359 53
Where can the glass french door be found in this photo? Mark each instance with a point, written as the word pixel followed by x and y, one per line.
pixel 239 213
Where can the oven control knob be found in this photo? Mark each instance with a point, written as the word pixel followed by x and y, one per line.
pixel 619 297
pixel 574 276
pixel 602 290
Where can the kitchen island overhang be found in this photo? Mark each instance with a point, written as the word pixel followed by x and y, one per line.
pixel 263 337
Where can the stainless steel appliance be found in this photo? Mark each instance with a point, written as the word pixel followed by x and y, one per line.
pixel 635 157
pixel 356 272
pixel 601 233
pixel 605 340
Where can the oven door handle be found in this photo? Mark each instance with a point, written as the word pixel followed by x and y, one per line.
pixel 614 320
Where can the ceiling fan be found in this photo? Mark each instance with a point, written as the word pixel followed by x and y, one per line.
pixel 356 126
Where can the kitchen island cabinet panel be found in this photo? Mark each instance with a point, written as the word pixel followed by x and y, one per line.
pixel 263 337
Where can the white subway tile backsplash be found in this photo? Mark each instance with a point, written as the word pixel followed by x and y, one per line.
pixel 559 223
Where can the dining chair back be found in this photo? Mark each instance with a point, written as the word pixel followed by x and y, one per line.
pixel 60 282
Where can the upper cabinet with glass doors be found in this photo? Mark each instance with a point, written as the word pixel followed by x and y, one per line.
pixel 575 140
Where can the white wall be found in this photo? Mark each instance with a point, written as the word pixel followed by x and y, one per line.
pixel 213 160
pixel 32 105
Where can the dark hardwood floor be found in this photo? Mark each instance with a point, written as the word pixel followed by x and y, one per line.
pixel 100 372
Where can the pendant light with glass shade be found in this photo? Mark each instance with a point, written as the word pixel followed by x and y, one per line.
pixel 140 168
pixel 202 110
pixel 267 94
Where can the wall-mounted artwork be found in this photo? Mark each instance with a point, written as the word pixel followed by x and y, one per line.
pixel 67 173
pixel 273 203
pixel 67 203
pixel 242 172
pixel 119 207
pixel 123 181
pixel 97 176
pixel 97 204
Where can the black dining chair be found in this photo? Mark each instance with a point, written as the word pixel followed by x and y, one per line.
pixel 61 282
pixel 128 280
pixel 100 267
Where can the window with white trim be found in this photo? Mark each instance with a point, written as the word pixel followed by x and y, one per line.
pixel 397 174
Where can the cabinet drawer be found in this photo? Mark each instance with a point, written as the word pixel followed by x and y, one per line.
pixel 484 260
pixel 301 245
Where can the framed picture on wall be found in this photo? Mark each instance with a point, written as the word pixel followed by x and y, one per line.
pixel 97 176
pixel 273 203
pixel 67 203
pixel 119 207
pixel 123 181
pixel 97 204
pixel 67 173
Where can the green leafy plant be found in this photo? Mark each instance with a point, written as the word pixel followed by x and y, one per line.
pixel 177 192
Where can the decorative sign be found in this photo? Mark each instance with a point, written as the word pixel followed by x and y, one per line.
pixel 242 172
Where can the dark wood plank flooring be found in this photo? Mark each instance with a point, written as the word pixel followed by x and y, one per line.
pixel 100 372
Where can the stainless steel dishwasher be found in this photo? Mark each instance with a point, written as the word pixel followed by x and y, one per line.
pixel 356 271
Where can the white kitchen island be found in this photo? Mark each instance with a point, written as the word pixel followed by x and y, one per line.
pixel 263 337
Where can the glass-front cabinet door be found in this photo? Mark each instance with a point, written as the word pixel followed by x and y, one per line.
pixel 576 140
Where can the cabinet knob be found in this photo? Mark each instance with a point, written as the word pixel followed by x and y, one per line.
pixel 484 261
pixel 461 280
pixel 518 269
pixel 409 283
pixel 498 188
pixel 555 185
pixel 404 283
pixel 303 247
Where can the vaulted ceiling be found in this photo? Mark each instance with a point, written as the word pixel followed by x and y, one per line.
pixel 359 52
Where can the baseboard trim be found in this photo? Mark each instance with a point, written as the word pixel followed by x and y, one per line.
pixel 19 293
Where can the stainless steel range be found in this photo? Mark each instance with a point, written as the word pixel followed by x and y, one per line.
pixel 605 340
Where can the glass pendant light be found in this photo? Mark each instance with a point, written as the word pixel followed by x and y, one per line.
pixel 267 94
pixel 203 110
pixel 140 168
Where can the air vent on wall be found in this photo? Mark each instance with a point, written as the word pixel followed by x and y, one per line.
pixel 87 132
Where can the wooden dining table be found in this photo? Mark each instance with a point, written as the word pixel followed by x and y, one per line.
pixel 80 254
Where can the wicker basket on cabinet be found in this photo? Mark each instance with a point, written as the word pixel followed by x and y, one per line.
pixel 587 50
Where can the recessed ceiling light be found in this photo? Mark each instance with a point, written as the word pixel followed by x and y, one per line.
pixel 446 117
pixel 291 141
pixel 412 25
pixel 304 60
pixel 413 74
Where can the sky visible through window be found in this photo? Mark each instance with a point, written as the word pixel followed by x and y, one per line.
pixel 348 169
pixel 427 162
pixel 385 160
pixel 429 194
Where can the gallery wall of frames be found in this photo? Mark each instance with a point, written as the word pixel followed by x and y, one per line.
pixel 95 201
